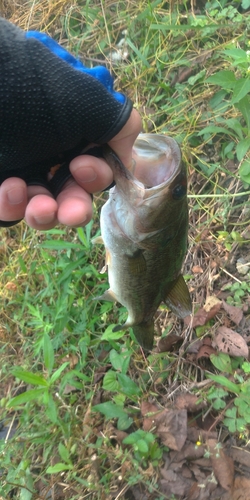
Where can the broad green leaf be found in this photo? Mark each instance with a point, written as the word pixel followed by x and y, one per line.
pixel 224 78
pixel 140 56
pixel 241 89
pixel 116 359
pixel 29 377
pixel 220 379
pixel 119 361
pixel 244 107
pixel 67 271
pixel 64 453
pixel 142 446
pixel 245 4
pixel 51 410
pixel 219 404
pixel 131 438
pixel 193 79
pixel 230 423
pixel 58 372
pixel 222 362
pixel 110 335
pixel 239 55
pixel 60 245
pixel 128 386
pixel 54 469
pixel 217 101
pixel 25 397
pixel 246 367
pixel 110 382
pixel 48 352
pixel 110 410
pixel 234 125
pixel 215 129
pixel 124 422
pixel 242 148
pixel 244 171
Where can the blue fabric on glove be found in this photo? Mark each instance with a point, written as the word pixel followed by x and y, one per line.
pixel 98 72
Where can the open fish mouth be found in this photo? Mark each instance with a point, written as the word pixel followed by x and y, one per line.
pixel 160 151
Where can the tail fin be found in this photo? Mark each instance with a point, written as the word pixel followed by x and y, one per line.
pixel 144 333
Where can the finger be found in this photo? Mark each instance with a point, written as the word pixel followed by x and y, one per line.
pixel 13 199
pixel 74 205
pixel 91 173
pixel 123 142
pixel 41 211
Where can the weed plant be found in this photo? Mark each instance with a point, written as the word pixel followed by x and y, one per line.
pixel 69 386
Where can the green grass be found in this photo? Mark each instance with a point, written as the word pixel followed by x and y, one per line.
pixel 69 385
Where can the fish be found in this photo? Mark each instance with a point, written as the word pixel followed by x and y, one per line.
pixel 144 227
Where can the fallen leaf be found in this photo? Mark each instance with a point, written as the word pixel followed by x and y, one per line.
pixel 205 351
pixel 240 455
pixel 212 301
pixel 230 342
pixel 116 434
pixel 201 317
pixel 175 484
pixel 189 402
pixel 234 313
pixel 100 372
pixel 169 343
pixel 197 270
pixel 149 411
pixel 171 428
pixel 72 359
pixel 223 465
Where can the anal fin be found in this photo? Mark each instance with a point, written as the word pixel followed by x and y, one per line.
pixel 178 299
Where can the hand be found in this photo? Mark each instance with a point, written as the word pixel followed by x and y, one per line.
pixel 73 206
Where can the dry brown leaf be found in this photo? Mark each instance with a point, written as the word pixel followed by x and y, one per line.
pixel 174 484
pixel 240 455
pixel 205 351
pixel 201 317
pixel 100 372
pixel 241 488
pixel 149 411
pixel 234 313
pixel 72 359
pixel 169 343
pixel 230 342
pixel 197 270
pixel 190 451
pixel 171 428
pixel 223 465
pixel 212 301
pixel 115 434
pixel 147 408
pixel 189 402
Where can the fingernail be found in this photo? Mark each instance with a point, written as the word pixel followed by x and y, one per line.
pixel 85 174
pixel 45 219
pixel 16 196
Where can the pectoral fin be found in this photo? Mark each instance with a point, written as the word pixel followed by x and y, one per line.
pixel 97 240
pixel 108 295
pixel 137 263
pixel 178 299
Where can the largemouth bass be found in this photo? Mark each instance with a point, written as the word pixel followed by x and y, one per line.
pixel 144 226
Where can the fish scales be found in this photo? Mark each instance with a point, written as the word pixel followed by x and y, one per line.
pixel 144 227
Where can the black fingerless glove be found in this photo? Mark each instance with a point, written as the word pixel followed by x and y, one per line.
pixel 51 106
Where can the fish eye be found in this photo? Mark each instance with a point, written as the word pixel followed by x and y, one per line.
pixel 179 191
